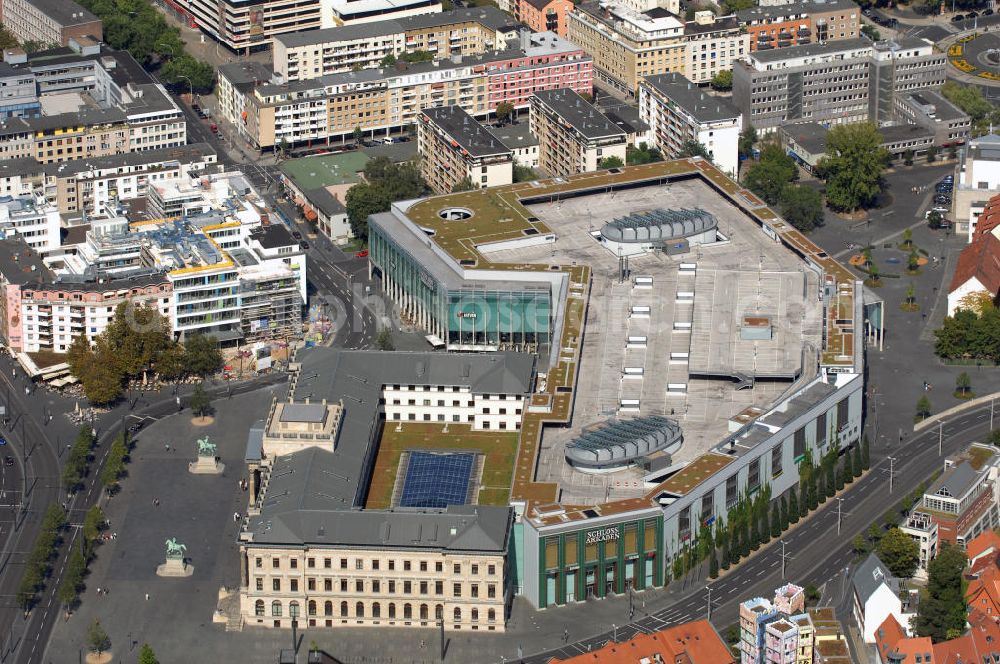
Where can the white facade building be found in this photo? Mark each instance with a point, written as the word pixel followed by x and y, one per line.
pixel 876 596
pixel 34 219
pixel 677 111
pixel 977 180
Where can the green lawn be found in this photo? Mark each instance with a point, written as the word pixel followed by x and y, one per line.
pixel 500 448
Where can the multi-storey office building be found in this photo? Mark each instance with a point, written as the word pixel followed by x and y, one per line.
pixel 331 107
pixel 50 22
pixel 629 43
pixel 455 148
pixel 963 501
pixel 840 82
pixel 800 23
pixel 677 111
pixel 305 55
pixel 19 92
pixel 573 136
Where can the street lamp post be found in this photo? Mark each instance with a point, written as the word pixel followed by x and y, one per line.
pixel 190 85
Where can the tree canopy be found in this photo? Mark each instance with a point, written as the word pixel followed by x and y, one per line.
pixel 611 162
pixel 970 99
pixel 899 552
pixel 771 174
pixel 644 154
pixel 970 335
pixel 186 71
pixel 147 656
pixel 723 80
pixel 853 165
pixel 942 608
pixel 801 206
pixel 384 183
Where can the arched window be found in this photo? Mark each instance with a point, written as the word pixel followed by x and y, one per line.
pixel 275 608
pixel 312 607
pixel 376 610
pixel 328 608
pixel 293 609
pixel 475 615
pixel 492 615
pixel 458 614
pixel 423 612
pixel 407 611
pixel 258 608
pixel 439 612
pixel 343 609
pixel 392 610
pixel 359 610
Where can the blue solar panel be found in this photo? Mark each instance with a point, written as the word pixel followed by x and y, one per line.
pixel 437 479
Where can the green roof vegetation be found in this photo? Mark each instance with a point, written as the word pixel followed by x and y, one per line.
pixel 325 170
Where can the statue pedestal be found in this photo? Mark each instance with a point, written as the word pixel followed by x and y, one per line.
pixel 175 567
pixel 206 466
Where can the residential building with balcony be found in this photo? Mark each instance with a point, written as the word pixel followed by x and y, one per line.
pixel 50 22
pixel 778 632
pixel 456 150
pixel 678 112
pixel 977 180
pixel 924 531
pixel 330 108
pixel 800 23
pixel 963 500
pixel 630 42
pixel 573 136
pixel 306 55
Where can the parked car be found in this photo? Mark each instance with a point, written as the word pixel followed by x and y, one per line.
pixel 303 245
pixel 361 254
pixel 8 461
pixel 943 199
pixel 944 188
pixel 297 235
pixel 972 15
pixel 956 18
pixel 3 441
pixel 987 12
pixel 214 127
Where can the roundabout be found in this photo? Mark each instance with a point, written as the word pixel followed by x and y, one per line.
pixel 978 55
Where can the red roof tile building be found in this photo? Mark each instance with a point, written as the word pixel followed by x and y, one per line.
pixel 692 643
pixel 978 270
pixel 979 644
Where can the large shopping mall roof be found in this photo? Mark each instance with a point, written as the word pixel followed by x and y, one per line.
pixel 618 442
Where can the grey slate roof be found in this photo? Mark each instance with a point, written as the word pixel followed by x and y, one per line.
pixel 245 74
pixel 19 264
pixel 797 9
pixel 470 135
pixel 690 98
pixel 580 113
pixel 181 153
pixel 303 412
pixel 516 136
pixel 64 13
pixel 299 509
pixel 255 442
pixel 870 576
pixel 321 199
pixel 955 481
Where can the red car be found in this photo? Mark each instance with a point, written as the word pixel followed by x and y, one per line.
pixel 361 254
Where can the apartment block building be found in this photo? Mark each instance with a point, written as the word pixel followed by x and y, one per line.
pixel 963 500
pixel 573 136
pixel 50 22
pixel 544 15
pixel 32 218
pixel 306 55
pixel 924 531
pixel 630 42
pixel 455 149
pixel 800 23
pixel 778 632
pixel 852 80
pixel 18 93
pixel 329 108
pixel 92 102
pixel 677 111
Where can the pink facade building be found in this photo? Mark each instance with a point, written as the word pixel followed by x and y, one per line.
pixel 549 63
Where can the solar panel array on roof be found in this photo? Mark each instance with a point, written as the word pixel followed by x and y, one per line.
pixel 437 479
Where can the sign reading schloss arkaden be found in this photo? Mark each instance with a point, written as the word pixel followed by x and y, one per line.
pixel 595 536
